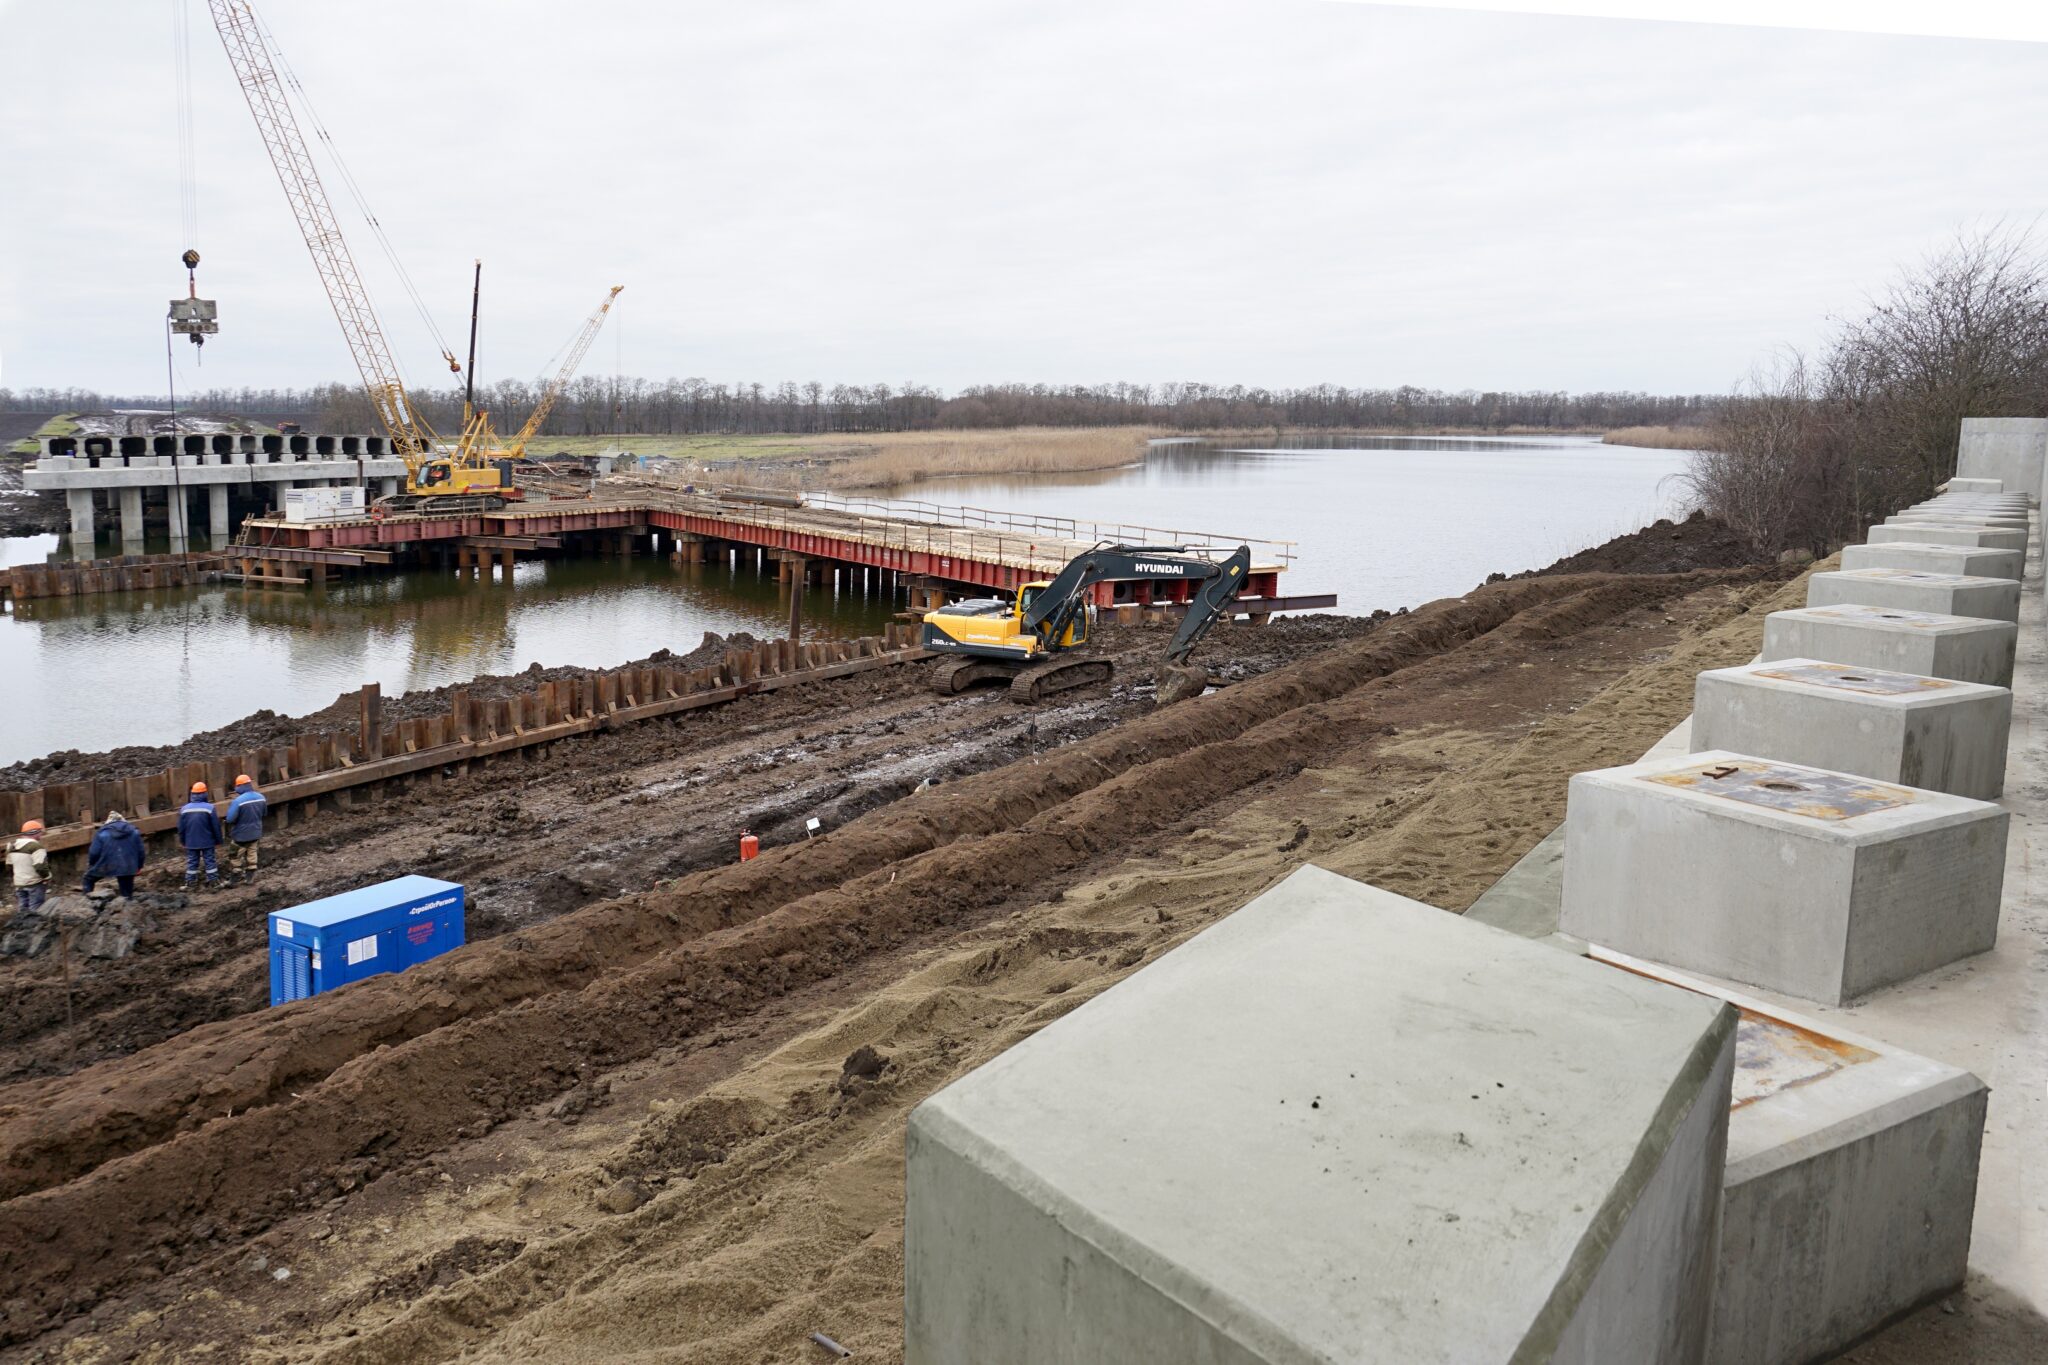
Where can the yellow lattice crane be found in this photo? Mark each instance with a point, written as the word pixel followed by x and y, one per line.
pixel 461 478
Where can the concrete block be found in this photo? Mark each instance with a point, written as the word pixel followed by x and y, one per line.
pixel 1961 485
pixel 1936 533
pixel 1993 599
pixel 1965 648
pixel 1817 884
pixel 1959 559
pixel 1338 1125
pixel 1850 1187
pixel 2013 450
pixel 2011 520
pixel 1934 733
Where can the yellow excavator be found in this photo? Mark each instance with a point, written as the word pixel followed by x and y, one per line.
pixel 471 475
pixel 1035 641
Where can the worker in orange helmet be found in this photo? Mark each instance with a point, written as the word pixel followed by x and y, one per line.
pixel 29 862
pixel 244 822
pixel 199 834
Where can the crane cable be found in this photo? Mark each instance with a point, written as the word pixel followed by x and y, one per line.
pixel 354 188
pixel 188 164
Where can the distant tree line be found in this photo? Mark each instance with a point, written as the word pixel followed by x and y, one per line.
pixel 1817 448
pixel 595 405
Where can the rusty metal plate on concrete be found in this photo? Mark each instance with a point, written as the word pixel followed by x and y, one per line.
pixel 1876 681
pixel 1919 620
pixel 1908 575
pixel 1772 1056
pixel 1810 792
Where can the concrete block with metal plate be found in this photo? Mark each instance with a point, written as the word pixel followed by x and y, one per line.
pixel 2010 518
pixel 1936 533
pixel 1993 599
pixel 1851 1182
pixel 1957 559
pixel 1966 648
pixel 1822 885
pixel 1987 509
pixel 2012 450
pixel 1337 1125
pixel 1918 731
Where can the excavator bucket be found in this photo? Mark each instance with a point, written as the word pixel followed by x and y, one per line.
pixel 1180 682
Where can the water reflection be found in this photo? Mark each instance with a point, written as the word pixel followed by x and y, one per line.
pixel 1383 521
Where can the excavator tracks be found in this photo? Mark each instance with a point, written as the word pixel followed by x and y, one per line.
pixel 957 675
pixel 1058 675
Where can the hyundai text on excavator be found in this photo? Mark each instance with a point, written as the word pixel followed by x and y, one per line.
pixel 1035 641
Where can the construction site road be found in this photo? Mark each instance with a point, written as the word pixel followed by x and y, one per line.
pixel 667 1124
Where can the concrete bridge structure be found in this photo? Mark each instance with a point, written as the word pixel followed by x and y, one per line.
pixel 128 472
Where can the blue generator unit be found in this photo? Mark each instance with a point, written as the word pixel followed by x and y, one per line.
pixel 388 927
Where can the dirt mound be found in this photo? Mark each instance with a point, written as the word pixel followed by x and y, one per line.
pixel 1698 542
pixel 267 729
pixel 268 1112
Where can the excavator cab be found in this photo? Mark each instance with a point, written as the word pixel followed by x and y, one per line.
pixel 1076 632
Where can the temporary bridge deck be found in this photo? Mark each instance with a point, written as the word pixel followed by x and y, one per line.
pixel 927 549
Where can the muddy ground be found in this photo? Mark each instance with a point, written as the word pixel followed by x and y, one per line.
pixel 630 959
pixel 597 818
pixel 658 1114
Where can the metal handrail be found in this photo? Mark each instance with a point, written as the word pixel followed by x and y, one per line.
pixel 1079 530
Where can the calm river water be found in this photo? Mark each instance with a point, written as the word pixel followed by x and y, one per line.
pixel 1382 523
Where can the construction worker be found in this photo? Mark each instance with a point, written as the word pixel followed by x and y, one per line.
pixel 199 833
pixel 244 821
pixel 116 852
pixel 29 861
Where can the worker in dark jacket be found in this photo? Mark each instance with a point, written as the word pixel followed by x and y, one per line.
pixel 244 821
pixel 116 852
pixel 199 833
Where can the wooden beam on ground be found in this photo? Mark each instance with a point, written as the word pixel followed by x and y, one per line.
pixel 346 774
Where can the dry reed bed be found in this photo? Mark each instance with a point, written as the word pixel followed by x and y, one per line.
pixel 1660 438
pixel 905 457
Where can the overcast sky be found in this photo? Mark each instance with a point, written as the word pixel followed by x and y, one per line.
pixel 1280 193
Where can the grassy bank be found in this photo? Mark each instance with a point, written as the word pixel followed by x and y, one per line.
pixel 1659 438
pixel 891 459
pixel 56 426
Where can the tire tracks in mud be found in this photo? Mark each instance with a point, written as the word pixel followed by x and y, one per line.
pixel 238 1122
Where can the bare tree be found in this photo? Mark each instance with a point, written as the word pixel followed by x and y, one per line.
pixel 1809 454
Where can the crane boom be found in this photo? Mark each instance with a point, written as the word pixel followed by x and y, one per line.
pixel 549 396
pixel 247 52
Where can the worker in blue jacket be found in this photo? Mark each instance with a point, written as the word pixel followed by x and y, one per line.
pixel 244 821
pixel 116 852
pixel 199 833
